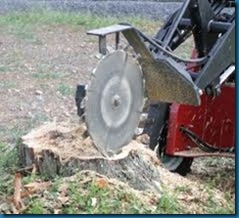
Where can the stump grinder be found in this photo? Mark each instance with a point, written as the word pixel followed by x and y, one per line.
pixel 187 105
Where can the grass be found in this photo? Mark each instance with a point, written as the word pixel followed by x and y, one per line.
pixel 84 196
pixel 168 204
pixel 8 163
pixel 213 207
pixel 19 22
pixel 45 71
pixel 7 85
pixel 183 189
pixel 65 90
pixel 89 198
pixel 8 160
pixel 39 118
pixel 36 206
pixel 46 75
pixel 4 69
pixel 24 32
pixel 12 134
pixel 208 205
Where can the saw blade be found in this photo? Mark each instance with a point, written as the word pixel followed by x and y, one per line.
pixel 114 102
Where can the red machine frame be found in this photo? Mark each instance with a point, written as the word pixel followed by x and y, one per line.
pixel 213 121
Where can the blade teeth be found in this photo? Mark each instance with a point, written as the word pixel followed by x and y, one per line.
pixel 139 131
pixel 93 72
pixel 143 117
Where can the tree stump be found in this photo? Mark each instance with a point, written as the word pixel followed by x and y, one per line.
pixel 64 149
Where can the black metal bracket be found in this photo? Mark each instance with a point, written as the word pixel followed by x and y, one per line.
pixel 103 32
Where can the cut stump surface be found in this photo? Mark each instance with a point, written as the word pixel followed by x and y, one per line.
pixel 65 149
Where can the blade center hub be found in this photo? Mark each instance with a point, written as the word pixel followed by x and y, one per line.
pixel 116 101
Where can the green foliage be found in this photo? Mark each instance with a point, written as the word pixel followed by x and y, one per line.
pixel 4 69
pixel 45 72
pixel 8 163
pixel 47 75
pixel 107 201
pixel 65 90
pixel 8 158
pixel 24 32
pixel 168 204
pixel 35 206
pixel 184 189
pixel 7 85
pixel 212 207
pixel 21 21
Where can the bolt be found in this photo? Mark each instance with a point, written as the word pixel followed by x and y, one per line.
pixel 116 101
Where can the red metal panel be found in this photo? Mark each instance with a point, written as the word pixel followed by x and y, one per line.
pixel 220 125
pixel 213 121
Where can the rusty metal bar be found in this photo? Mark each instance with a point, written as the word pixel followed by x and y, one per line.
pixel 193 153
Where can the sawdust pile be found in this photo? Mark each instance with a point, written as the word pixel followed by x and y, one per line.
pixel 58 195
pixel 67 140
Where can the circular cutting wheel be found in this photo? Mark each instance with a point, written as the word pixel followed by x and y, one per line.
pixel 114 102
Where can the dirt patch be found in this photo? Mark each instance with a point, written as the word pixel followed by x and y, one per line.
pixel 38 77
